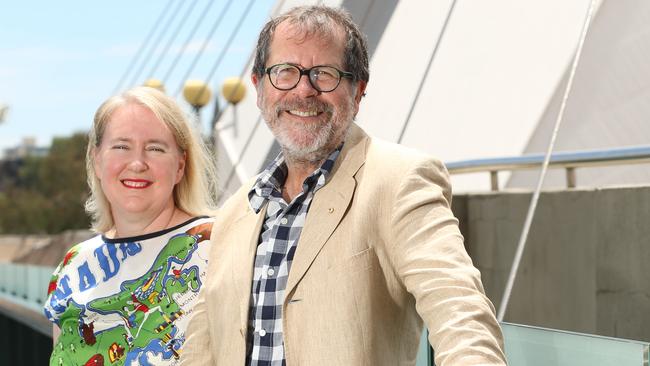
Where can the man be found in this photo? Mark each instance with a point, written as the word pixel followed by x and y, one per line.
pixel 324 257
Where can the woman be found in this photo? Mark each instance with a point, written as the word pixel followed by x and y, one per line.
pixel 124 297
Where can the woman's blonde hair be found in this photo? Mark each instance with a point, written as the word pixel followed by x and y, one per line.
pixel 194 194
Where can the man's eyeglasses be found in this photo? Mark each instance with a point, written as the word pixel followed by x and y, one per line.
pixel 322 78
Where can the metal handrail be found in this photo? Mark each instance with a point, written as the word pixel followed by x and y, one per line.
pixel 568 160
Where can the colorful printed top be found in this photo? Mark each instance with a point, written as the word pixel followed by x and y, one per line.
pixel 128 301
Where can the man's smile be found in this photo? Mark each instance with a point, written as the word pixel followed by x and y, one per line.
pixel 299 113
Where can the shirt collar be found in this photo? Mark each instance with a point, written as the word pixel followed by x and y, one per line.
pixel 269 182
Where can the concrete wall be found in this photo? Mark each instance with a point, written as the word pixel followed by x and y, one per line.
pixel 585 267
pixel 14 246
pixel 44 250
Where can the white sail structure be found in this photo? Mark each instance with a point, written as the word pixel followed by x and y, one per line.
pixel 609 106
pixel 474 79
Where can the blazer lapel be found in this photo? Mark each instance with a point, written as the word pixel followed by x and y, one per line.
pixel 328 206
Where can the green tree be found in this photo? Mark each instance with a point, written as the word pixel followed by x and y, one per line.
pixel 49 192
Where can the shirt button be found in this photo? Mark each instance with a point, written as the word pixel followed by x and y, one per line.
pixel 262 332
pixel 284 221
pixel 270 272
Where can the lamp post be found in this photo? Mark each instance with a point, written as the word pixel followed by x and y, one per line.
pixel 197 94
pixel 233 90
pixel 155 83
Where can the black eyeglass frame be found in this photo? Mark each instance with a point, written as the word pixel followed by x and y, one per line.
pixel 307 72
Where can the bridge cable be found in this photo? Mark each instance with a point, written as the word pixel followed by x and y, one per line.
pixel 226 47
pixel 142 47
pixel 171 40
pixel 426 72
pixel 533 203
pixel 187 42
pixel 203 47
pixel 154 45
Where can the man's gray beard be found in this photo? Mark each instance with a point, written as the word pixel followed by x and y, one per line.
pixel 327 138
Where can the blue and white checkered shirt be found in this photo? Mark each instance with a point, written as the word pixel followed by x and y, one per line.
pixel 275 249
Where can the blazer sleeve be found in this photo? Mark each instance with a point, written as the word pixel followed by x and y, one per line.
pixel 429 257
pixel 196 350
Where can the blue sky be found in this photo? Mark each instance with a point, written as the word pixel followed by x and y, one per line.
pixel 60 60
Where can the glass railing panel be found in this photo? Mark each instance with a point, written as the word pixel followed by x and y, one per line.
pixel 37 284
pixel 533 346
pixel 424 352
pixel 25 284
pixel 4 272
pixel 17 284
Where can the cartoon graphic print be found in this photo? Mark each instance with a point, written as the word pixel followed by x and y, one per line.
pixel 55 278
pixel 137 326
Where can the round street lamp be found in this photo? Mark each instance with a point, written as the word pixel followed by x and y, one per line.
pixel 155 83
pixel 233 90
pixel 197 94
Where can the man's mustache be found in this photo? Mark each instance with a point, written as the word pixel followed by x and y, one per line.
pixel 312 105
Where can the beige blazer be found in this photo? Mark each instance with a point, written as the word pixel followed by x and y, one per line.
pixel 379 242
